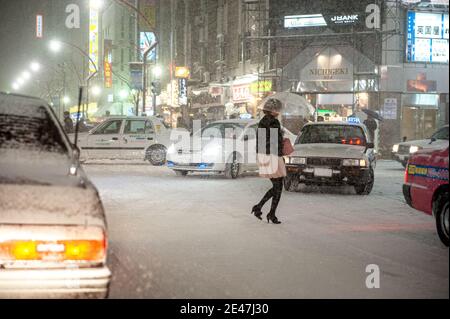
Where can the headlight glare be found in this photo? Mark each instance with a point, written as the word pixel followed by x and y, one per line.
pixel 395 148
pixel 413 149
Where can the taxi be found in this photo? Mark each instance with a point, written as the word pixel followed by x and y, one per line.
pixel 332 153
pixel 426 186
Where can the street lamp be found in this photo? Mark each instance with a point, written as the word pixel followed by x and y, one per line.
pixel 15 86
pixel 66 100
pixel 157 71
pixel 96 90
pixel 20 81
pixel 96 4
pixel 26 75
pixel 35 66
pixel 55 45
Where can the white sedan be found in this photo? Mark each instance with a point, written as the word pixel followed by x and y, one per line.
pixel 224 147
pixel 126 137
pixel 53 234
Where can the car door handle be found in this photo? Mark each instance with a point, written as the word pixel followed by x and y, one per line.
pixel 150 138
pixel 115 138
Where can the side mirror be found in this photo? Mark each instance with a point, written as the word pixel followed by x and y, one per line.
pixel 433 139
pixel 370 145
pixel 246 138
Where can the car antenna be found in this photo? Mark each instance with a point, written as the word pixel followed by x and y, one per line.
pixel 77 125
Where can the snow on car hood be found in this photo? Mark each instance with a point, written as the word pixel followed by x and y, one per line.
pixel 426 143
pixel 50 205
pixel 328 150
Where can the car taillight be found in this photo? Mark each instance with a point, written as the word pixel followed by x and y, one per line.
pixel 406 174
pixel 72 250
pixel 55 245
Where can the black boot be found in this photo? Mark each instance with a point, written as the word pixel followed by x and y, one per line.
pixel 257 212
pixel 271 217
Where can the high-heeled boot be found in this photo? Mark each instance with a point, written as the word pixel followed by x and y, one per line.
pixel 257 212
pixel 271 217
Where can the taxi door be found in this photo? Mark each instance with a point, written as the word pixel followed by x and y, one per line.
pixel 138 135
pixel 105 142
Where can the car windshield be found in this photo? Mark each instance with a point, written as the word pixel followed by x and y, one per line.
pixel 334 134
pixel 35 132
pixel 442 134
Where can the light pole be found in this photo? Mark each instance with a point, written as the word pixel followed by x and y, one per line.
pixel 55 46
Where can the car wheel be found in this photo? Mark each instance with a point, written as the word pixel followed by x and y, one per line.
pixel 181 173
pixel 233 167
pixel 156 155
pixel 441 213
pixel 365 189
pixel 289 183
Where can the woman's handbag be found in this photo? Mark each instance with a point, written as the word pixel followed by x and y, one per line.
pixel 288 149
pixel 271 166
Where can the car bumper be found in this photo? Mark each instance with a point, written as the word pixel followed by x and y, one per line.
pixel 196 167
pixel 402 158
pixel 340 176
pixel 55 283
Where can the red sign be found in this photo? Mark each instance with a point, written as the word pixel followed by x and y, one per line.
pixel 241 93
pixel 39 26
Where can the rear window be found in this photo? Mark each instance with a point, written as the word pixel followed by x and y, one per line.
pixel 333 134
pixel 36 132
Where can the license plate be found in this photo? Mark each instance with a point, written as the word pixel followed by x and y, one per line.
pixel 323 172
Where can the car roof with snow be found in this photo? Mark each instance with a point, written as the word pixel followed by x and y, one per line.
pixel 336 123
pixel 20 104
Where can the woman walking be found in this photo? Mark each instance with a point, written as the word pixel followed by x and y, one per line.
pixel 269 148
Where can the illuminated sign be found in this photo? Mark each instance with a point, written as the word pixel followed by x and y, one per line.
pixel 93 39
pixel 427 37
pixel 39 26
pixel 303 21
pixel 345 19
pixel 261 86
pixel 182 72
pixel 146 40
pixel 182 92
pixel 241 93
pixel 108 63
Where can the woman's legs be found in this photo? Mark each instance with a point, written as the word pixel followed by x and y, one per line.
pixel 276 190
pixel 274 193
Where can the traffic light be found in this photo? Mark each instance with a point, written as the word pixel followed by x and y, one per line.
pixel 156 88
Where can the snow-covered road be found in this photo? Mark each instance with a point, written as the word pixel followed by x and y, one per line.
pixel 194 237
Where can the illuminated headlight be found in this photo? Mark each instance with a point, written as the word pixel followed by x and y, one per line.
pixel 395 148
pixel 413 149
pixel 172 149
pixel 298 160
pixel 354 162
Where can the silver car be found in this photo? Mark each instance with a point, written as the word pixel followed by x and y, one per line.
pixel 53 233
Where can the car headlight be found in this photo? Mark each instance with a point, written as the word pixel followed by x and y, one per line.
pixel 298 160
pixel 354 162
pixel 413 149
pixel 395 148
pixel 172 149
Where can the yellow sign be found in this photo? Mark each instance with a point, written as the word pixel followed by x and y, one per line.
pixel 261 86
pixel 93 39
pixel 182 72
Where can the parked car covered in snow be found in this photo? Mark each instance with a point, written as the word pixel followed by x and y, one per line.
pixel 53 232
pixel 224 147
pixel 126 137
pixel 402 151
pixel 426 187
pixel 332 153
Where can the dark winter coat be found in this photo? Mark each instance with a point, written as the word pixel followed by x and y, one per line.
pixel 263 145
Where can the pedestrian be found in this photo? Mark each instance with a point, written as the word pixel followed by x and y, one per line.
pixel 269 151
pixel 372 126
pixel 68 123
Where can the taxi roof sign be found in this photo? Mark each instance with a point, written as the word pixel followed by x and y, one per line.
pixel 353 120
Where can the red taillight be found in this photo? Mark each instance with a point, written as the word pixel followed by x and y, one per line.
pixel 406 175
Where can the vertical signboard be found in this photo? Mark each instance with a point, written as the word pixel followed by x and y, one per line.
pixel 145 41
pixel 39 26
pixel 182 92
pixel 93 39
pixel 136 76
pixel 107 63
pixel 390 109
pixel 148 9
